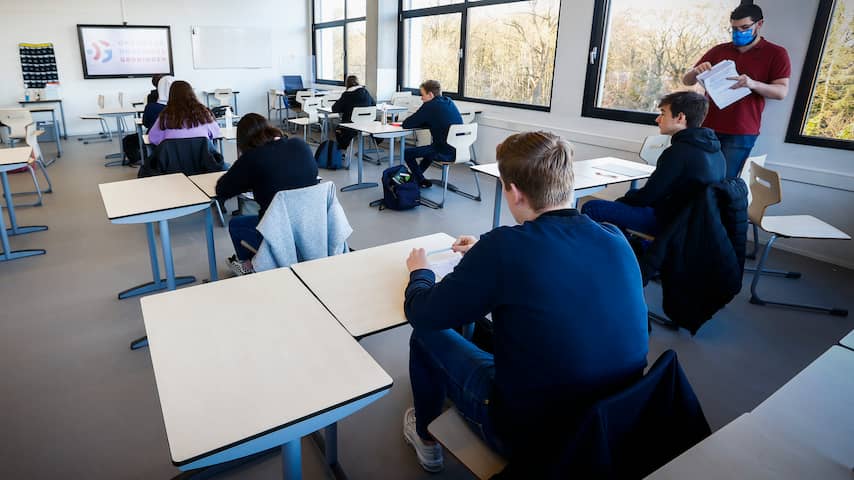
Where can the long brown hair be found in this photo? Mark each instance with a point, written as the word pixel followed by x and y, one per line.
pixel 254 130
pixel 183 109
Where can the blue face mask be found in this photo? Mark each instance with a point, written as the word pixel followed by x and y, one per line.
pixel 740 39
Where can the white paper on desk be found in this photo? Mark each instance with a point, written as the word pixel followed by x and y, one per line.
pixel 716 83
pixel 443 263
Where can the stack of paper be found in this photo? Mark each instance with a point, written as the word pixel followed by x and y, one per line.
pixel 443 262
pixel 716 83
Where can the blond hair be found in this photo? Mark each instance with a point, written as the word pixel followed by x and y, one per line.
pixel 540 165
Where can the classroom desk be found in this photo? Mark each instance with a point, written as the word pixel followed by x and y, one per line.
pixel 153 200
pixel 378 130
pixel 364 289
pixel 816 407
pixel 13 159
pixel 848 341
pixel 326 114
pixel 209 94
pixel 118 113
pixel 207 182
pixel 745 449
pixel 234 381
pixel 45 101
pixel 56 129
pixel 591 176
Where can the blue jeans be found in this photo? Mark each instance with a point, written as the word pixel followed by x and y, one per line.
pixel 426 153
pixel 243 228
pixel 639 219
pixel 444 364
pixel 736 149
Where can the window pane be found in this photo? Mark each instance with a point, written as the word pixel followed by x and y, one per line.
pixel 415 4
pixel 355 8
pixel 328 10
pixel 430 50
pixel 510 51
pixel 330 53
pixel 831 110
pixel 356 50
pixel 650 45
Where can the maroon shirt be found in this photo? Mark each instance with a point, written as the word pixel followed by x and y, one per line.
pixel 765 62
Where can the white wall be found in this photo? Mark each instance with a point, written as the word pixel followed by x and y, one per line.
pixel 56 21
pixel 818 181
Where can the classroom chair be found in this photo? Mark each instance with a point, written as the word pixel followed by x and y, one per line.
pixel 461 137
pixel 225 97
pixel 628 434
pixel 31 137
pixel 401 98
pixel 361 116
pixel 309 108
pixel 302 95
pixel 766 190
pixel 106 134
pixel 468 117
pixel 277 101
pixel 292 84
pixel 652 148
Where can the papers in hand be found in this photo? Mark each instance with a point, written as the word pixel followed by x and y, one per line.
pixel 716 84
pixel 442 262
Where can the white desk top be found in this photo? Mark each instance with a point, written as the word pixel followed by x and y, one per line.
pixel 816 407
pixel 121 110
pixel 239 357
pixel 41 100
pixel 150 194
pixel 207 182
pixel 376 128
pixel 591 173
pixel 744 449
pixel 364 289
pixel 848 341
pixel 11 156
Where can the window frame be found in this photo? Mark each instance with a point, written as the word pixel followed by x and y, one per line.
pixel 315 26
pixel 463 8
pixel 809 73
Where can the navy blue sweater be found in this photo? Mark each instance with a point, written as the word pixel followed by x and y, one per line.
pixel 438 115
pixel 568 312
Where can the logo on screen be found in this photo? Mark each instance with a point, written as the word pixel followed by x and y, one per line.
pixel 100 51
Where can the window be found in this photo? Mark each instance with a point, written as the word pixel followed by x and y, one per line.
pixel 823 114
pixel 339 40
pixel 491 51
pixel 639 51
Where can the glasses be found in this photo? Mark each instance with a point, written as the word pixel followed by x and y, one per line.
pixel 743 28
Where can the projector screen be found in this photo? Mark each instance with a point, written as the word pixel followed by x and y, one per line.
pixel 118 51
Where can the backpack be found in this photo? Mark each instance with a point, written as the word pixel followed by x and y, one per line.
pixel 328 156
pixel 131 148
pixel 400 191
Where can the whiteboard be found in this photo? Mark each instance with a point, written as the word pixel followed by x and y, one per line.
pixel 232 47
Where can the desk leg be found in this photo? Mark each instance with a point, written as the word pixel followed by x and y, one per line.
pixel 56 137
pixel 402 149
pixel 64 125
pixel 235 105
pixel 157 283
pixel 7 253
pixel 10 207
pixel 141 145
pixel 121 154
pixel 221 151
pixel 292 460
pixel 360 184
pixel 211 246
pixel 496 212
pixel 391 151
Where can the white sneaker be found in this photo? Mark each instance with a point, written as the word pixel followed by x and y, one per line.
pixel 237 267
pixel 429 456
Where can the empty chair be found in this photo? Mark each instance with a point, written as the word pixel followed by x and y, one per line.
pixel 302 95
pixel 362 116
pixel 401 98
pixel 652 148
pixel 225 96
pixel 766 190
pixel 292 84
pixel 468 117
pixel 106 134
pixel 309 108
pixel 461 137
pixel 277 101
pixel 16 121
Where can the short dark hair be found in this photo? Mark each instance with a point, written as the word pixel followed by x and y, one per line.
pixel 692 104
pixel 747 10
pixel 254 130
pixel 432 86
pixel 351 81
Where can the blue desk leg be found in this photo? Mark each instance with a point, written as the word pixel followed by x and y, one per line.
pixel 496 212
pixel 402 149
pixel 157 283
pixel 360 184
pixel 8 254
pixel 211 247
pixel 10 207
pixel 292 460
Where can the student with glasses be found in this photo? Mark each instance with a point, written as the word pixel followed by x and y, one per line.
pixel 763 67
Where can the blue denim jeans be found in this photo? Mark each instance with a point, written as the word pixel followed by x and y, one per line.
pixel 736 149
pixel 444 364
pixel 243 228
pixel 639 219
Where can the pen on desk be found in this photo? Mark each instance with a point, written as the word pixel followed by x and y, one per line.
pixel 433 252
pixel 605 175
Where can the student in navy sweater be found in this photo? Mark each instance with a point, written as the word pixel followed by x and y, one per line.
pixel 693 161
pixel 268 162
pixel 437 113
pixel 568 314
pixel 355 96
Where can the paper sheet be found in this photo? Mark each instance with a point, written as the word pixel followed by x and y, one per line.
pixel 443 262
pixel 621 170
pixel 716 84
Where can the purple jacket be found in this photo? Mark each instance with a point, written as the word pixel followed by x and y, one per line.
pixel 156 135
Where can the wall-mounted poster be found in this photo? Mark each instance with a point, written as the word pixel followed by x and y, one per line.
pixel 38 64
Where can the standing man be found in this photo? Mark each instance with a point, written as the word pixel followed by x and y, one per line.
pixel 763 67
pixel 437 113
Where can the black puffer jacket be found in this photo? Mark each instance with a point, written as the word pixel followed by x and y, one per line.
pixel 700 254
pixel 189 156
pixel 359 97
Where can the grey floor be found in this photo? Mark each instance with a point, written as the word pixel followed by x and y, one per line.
pixel 76 403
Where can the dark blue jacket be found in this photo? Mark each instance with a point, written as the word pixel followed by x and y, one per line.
pixel 568 312
pixel 359 97
pixel 438 115
pixel 150 114
pixel 692 161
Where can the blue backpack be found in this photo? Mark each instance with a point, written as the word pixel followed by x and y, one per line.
pixel 400 191
pixel 328 156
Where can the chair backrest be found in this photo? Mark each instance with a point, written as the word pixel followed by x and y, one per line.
pixel 121 99
pixel 17 120
pixel 765 190
pixel 302 95
pixel 401 98
pixel 461 137
pixel 102 102
pixel 309 107
pixel 190 156
pixel 292 84
pixel 223 96
pixel 33 140
pixel 363 115
pixel 423 137
pixel 745 172
pixel 652 148
pixel 332 96
pixel 468 117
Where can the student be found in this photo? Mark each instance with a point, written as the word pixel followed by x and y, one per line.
pixel 764 68
pixel 154 94
pixel 183 117
pixel 692 161
pixel 355 96
pixel 153 109
pixel 568 314
pixel 267 163
pixel 437 113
